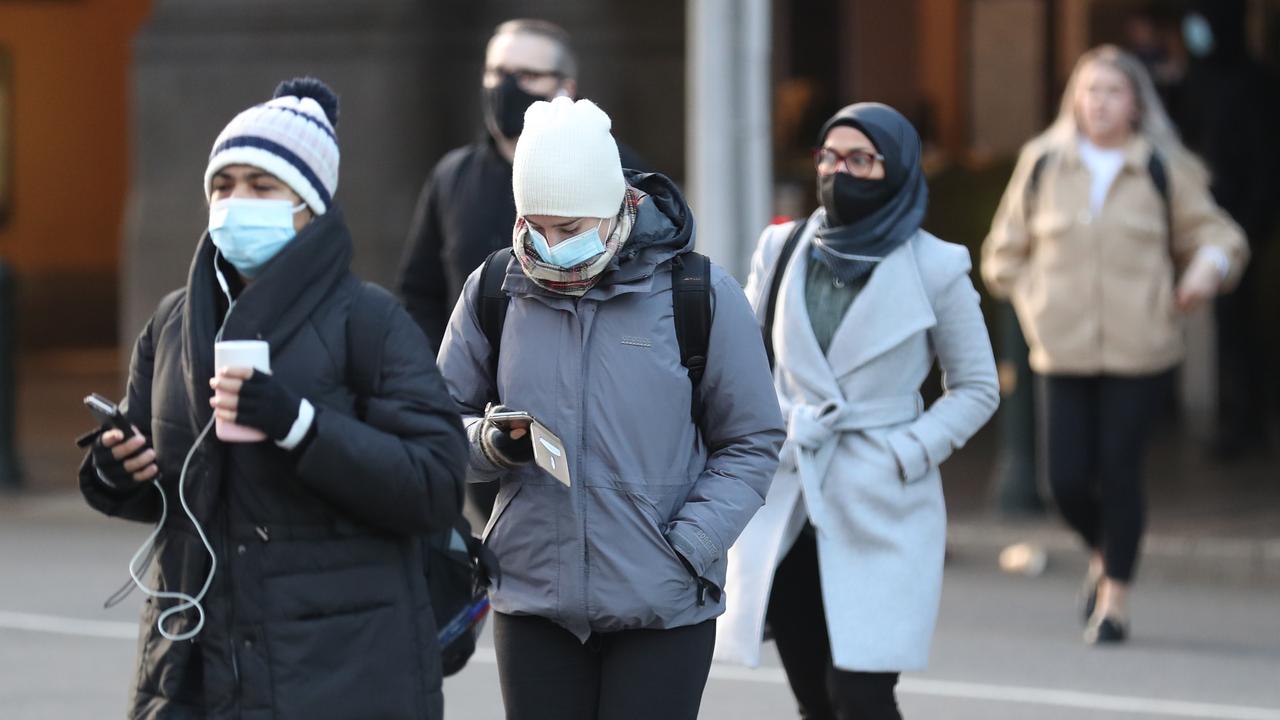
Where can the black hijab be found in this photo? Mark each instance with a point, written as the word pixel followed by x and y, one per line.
pixel 865 220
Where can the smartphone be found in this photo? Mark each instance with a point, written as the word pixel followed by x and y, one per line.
pixel 511 418
pixel 107 413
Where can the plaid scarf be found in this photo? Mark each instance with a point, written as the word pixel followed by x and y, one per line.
pixel 577 280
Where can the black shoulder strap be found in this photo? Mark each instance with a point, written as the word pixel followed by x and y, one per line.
pixel 367 323
pixel 492 308
pixel 1160 178
pixel 1032 188
pixel 779 270
pixel 691 306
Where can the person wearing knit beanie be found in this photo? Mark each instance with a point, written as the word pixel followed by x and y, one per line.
pixel 602 324
pixel 569 190
pixel 259 587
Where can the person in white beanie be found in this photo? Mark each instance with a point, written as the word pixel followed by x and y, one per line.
pixel 669 429
pixel 287 575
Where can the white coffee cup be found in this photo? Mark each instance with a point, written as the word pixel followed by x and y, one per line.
pixel 240 353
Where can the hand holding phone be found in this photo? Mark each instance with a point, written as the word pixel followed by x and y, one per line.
pixel 106 413
pixel 121 455
pixel 513 422
pixel 504 437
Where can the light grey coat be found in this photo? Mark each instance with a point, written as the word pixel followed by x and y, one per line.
pixel 862 455
pixel 604 374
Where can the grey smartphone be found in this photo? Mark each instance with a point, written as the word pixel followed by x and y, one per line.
pixel 107 413
pixel 511 418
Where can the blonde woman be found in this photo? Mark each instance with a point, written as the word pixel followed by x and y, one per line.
pixel 1106 234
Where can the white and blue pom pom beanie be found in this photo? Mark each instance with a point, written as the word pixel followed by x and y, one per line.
pixel 292 137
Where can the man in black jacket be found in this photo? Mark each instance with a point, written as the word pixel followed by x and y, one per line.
pixel 466 210
pixel 288 578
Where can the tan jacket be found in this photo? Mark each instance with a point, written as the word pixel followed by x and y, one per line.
pixel 1095 294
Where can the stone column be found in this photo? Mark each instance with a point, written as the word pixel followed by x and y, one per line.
pixel 728 142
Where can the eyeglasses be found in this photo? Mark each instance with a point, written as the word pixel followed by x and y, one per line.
pixel 859 163
pixel 525 77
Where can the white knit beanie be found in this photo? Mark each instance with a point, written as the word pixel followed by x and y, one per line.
pixel 566 162
pixel 291 137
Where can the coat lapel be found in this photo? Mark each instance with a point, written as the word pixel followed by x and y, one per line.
pixel 891 308
pixel 796 347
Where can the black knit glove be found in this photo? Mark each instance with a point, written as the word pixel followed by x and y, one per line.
pixel 498 445
pixel 267 405
pixel 111 471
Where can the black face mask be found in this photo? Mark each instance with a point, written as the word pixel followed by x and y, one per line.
pixel 848 199
pixel 504 106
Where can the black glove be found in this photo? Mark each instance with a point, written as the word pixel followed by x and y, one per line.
pixel 498 445
pixel 110 470
pixel 267 405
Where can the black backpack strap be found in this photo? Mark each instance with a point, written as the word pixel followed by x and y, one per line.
pixel 691 306
pixel 775 284
pixel 367 323
pixel 1160 178
pixel 492 308
pixel 1032 188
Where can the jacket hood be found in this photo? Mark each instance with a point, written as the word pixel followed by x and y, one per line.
pixel 663 219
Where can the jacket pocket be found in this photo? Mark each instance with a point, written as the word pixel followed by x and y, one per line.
pixel 506 493
pixel 358 664
pixel 636 578
pixel 314 594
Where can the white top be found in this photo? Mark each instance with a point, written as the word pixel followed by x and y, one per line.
pixel 1104 164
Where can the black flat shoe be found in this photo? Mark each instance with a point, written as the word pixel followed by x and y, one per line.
pixel 1105 630
pixel 1089 597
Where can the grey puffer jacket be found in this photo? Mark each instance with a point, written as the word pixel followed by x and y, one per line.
pixel 604 374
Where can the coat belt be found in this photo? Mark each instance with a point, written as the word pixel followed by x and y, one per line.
pixel 813 433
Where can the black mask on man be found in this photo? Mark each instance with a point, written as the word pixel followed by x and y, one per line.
pixel 848 199
pixel 504 106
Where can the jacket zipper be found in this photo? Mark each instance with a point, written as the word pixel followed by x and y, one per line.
pixel 582 442
pixel 230 594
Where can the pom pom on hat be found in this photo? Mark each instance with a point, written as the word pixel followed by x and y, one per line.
pixel 566 162
pixel 309 87
pixel 291 136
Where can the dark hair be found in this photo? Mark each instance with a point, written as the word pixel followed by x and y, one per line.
pixel 566 61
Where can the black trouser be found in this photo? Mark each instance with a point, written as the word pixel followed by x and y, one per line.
pixel 799 627
pixel 546 674
pixel 1096 431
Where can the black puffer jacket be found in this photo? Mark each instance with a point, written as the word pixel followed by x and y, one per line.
pixel 319 607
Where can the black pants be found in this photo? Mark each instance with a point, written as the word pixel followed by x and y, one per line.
pixel 546 674
pixel 799 627
pixel 1096 431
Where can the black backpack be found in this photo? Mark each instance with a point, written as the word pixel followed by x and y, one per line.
pixel 779 269
pixel 690 304
pixel 458 567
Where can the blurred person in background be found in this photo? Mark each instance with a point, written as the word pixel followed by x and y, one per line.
pixel 858 304
pixel 1105 234
pixel 288 572
pixel 466 209
pixel 1227 117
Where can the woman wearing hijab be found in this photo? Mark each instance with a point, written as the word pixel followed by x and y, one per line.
pixel 845 559
pixel 1106 234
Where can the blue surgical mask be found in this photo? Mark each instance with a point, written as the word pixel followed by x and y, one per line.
pixel 249 232
pixel 570 252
